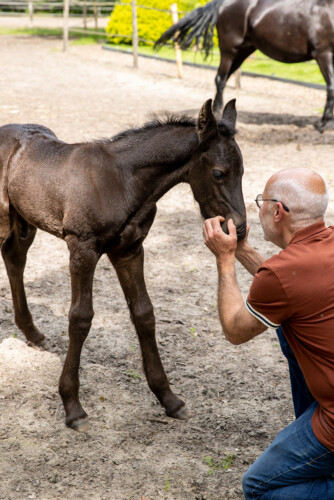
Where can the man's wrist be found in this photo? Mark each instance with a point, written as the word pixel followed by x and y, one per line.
pixel 226 263
pixel 243 249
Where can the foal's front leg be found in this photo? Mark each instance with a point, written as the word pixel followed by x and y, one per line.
pixel 131 276
pixel 83 260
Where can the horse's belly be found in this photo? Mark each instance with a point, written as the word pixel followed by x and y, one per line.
pixel 280 51
pixel 38 203
pixel 279 33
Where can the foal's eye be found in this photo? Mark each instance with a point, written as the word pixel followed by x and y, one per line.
pixel 217 174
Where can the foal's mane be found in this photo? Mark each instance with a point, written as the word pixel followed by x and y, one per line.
pixel 168 120
pixel 157 122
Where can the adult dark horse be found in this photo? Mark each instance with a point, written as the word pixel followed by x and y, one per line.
pixel 288 31
pixel 100 197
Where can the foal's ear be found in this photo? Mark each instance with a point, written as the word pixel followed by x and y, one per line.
pixel 230 113
pixel 206 121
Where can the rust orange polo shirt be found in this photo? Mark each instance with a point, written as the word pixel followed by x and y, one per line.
pixel 295 290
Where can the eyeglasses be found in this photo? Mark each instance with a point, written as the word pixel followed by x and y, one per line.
pixel 259 201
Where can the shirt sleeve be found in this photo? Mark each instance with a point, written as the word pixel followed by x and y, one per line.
pixel 267 300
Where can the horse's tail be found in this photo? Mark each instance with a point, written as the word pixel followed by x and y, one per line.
pixel 196 26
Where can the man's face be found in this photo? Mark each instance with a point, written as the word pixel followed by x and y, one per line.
pixel 267 221
pixel 266 215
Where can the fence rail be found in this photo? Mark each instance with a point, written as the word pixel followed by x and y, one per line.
pixel 42 5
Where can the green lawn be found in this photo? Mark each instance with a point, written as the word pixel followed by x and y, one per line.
pixel 75 37
pixel 256 63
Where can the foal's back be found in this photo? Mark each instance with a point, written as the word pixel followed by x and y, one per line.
pixel 55 186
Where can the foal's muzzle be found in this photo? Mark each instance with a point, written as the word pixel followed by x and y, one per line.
pixel 241 229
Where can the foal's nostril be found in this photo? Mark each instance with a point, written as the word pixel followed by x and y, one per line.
pixel 241 231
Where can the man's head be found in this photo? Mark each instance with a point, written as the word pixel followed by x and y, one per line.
pixel 300 190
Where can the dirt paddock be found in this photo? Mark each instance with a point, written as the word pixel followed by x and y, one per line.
pixel 239 397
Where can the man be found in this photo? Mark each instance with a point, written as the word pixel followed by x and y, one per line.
pixel 292 291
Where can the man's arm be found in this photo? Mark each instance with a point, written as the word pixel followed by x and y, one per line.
pixel 248 256
pixel 238 324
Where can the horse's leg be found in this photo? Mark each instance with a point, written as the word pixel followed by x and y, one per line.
pixel 228 65
pixel 226 61
pixel 14 252
pixel 326 64
pixel 83 260
pixel 242 54
pixel 131 276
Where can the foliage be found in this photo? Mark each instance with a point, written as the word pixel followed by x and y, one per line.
pixel 153 18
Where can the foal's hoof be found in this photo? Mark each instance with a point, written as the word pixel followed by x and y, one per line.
pixel 181 414
pixel 80 425
pixel 35 338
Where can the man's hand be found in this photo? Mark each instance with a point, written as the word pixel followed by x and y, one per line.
pixel 222 245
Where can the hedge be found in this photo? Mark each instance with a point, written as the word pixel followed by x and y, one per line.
pixel 151 23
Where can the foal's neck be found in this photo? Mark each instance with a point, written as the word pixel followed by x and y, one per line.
pixel 157 151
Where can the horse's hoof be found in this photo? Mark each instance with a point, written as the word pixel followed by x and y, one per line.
pixel 322 126
pixel 181 414
pixel 80 425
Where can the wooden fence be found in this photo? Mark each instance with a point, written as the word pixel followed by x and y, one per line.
pixel 95 7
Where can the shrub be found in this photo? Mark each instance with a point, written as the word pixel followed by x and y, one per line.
pixel 151 23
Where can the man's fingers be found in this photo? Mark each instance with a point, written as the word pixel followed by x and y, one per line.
pixel 231 228
pixel 216 223
pixel 213 224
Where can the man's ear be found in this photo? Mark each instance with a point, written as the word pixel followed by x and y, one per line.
pixel 207 124
pixel 279 212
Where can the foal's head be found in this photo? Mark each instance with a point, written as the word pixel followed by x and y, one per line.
pixel 217 168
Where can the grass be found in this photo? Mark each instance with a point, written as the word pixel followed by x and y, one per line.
pixel 76 38
pixel 256 63
pixel 218 465
pixel 133 374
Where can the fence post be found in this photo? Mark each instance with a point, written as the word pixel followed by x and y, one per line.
pixel 134 34
pixel 178 53
pixel 31 12
pixel 66 11
pixel 95 16
pixel 84 13
pixel 237 76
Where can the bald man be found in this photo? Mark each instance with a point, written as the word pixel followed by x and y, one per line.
pixel 293 292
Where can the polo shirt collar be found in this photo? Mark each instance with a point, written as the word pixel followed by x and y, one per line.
pixel 308 232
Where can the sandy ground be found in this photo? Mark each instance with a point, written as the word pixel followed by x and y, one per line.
pixel 239 397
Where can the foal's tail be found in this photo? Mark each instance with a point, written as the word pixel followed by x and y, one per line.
pixel 198 24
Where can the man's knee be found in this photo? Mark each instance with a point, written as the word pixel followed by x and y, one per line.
pixel 247 486
pixel 250 486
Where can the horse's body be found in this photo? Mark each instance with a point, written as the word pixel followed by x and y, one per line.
pixel 100 198
pixel 288 31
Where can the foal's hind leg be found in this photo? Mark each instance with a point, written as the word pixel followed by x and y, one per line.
pixel 14 252
pixel 131 276
pixel 83 260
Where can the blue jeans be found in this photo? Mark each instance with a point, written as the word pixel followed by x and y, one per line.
pixel 301 396
pixel 296 466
